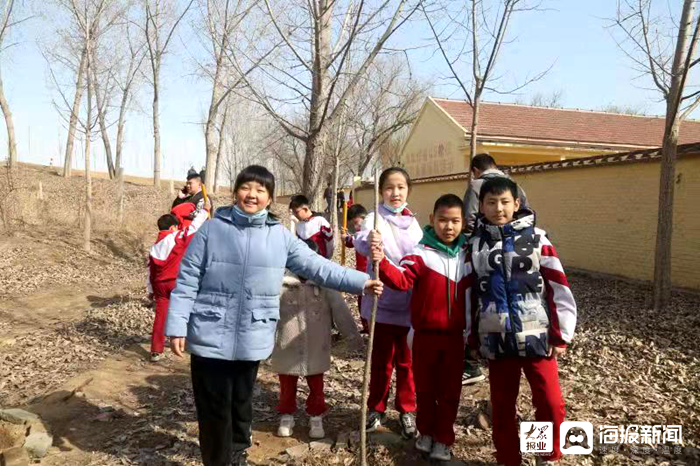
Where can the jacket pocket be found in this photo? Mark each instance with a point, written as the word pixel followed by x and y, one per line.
pixel 206 326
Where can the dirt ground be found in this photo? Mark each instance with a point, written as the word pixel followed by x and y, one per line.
pixel 74 333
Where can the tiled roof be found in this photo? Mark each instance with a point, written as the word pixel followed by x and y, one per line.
pixel 638 156
pixel 541 125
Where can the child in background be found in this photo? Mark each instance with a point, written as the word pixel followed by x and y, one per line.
pixel 521 314
pixel 312 226
pixel 303 346
pixel 225 308
pixel 400 233
pixel 164 262
pixel 356 216
pixel 434 270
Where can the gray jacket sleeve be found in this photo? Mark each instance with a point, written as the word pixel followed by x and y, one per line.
pixel 303 261
pixel 471 204
pixel 342 316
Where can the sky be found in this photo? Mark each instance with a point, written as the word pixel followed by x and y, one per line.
pixel 571 36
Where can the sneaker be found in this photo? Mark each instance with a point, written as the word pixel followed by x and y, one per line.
pixel 316 427
pixel 374 421
pixel 239 458
pixel 408 425
pixel 286 426
pixel 472 374
pixel 440 452
pixel 155 357
pixel 424 443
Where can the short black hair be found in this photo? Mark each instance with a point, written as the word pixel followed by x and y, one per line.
pixel 166 221
pixel 356 210
pixel 390 171
pixel 298 201
pixel 447 201
pixel 258 174
pixel 483 162
pixel 498 185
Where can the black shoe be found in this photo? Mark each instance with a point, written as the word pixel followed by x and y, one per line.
pixel 472 374
pixel 374 421
pixel 239 458
pixel 408 425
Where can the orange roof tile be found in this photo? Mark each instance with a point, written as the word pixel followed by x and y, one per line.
pixel 541 125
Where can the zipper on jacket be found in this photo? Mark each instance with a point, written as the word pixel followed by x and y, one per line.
pixel 241 295
pixel 506 277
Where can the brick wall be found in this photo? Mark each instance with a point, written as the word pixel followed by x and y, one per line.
pixel 602 218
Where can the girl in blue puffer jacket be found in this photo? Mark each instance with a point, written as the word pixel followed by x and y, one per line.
pixel 225 308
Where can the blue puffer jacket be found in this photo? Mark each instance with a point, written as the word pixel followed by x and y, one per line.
pixel 227 297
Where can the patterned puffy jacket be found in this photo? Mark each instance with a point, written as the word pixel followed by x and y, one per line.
pixel 518 298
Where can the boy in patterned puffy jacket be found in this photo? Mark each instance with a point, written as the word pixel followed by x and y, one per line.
pixel 520 314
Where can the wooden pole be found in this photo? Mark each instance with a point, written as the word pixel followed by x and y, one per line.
pixel 345 230
pixel 370 343
pixel 206 198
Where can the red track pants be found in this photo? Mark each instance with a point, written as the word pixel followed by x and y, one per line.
pixel 437 367
pixel 504 378
pixel 316 401
pixel 161 295
pixel 391 351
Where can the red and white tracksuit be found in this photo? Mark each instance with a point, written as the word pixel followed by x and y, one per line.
pixel 519 306
pixel 438 319
pixel 319 231
pixel 163 266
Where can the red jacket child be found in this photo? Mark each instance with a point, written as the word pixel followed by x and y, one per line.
pixel 436 273
pixel 164 264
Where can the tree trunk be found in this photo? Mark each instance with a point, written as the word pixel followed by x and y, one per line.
pixel 315 144
pixel 210 133
pixel 219 151
pixel 474 129
pixel 334 205
pixel 156 128
pixel 664 227
pixel 120 128
pixel 9 123
pixel 311 176
pixel 88 174
pixel 101 115
pixel 68 160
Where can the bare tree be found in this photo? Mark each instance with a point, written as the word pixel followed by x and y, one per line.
pixel 387 103
pixel 222 25
pixel 628 109
pixel 314 72
pixel 241 138
pixel 7 22
pixel 161 19
pixel 470 36
pixel 666 53
pixel 103 85
pixel 127 79
pixel 553 99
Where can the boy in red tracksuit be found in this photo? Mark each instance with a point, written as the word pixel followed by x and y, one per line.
pixel 521 314
pixel 312 226
pixel 435 270
pixel 356 216
pixel 164 264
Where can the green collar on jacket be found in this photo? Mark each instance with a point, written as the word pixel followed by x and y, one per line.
pixel 431 239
